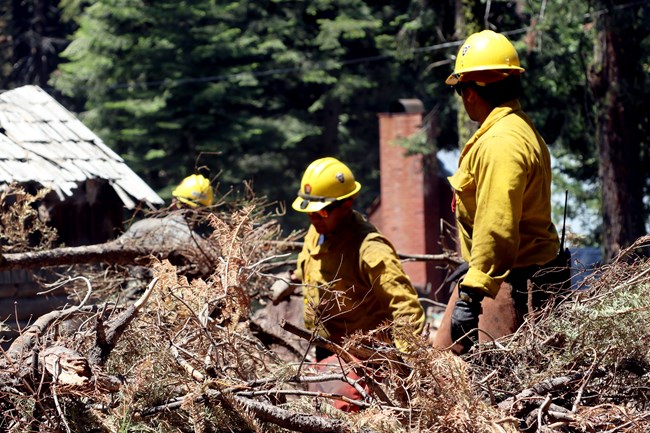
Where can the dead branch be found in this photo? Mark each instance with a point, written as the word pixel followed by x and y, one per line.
pixel 26 341
pixel 105 340
pixel 521 402
pixel 346 356
pixel 537 390
pixel 265 412
pixel 110 252
pixel 440 259
pixel 295 421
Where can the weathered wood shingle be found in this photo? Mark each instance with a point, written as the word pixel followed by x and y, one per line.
pixel 42 142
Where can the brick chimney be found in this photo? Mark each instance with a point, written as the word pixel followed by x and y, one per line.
pixel 413 197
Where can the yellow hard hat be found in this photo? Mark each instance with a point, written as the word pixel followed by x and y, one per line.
pixel 194 190
pixel 486 57
pixel 325 181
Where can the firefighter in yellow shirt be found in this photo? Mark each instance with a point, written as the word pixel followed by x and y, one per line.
pixel 352 278
pixel 502 198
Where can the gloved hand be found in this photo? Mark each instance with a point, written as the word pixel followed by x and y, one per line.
pixel 282 287
pixel 464 318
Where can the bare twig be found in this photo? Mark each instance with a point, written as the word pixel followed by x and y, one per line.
pixel 27 339
pixel 56 399
pixel 542 408
pixel 576 403
pixel 344 355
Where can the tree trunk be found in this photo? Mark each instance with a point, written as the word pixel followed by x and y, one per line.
pixel 110 252
pixel 198 255
pixel 615 79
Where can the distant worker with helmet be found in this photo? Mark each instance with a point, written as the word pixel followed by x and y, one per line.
pixel 194 191
pixel 352 278
pixel 174 230
pixel 502 201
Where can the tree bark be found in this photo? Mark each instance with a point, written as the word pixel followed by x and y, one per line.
pixel 110 252
pixel 615 80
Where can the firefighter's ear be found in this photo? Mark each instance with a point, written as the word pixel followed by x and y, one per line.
pixel 470 94
pixel 348 203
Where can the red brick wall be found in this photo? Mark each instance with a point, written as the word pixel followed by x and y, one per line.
pixel 411 203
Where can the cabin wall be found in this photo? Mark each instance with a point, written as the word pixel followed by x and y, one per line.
pixel 93 215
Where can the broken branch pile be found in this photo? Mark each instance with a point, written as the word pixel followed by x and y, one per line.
pixel 191 355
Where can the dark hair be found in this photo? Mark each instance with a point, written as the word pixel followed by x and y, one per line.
pixel 500 91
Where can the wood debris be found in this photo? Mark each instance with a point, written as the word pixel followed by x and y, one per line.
pixel 195 353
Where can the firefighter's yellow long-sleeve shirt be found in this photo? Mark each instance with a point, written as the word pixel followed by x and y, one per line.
pixel 354 281
pixel 503 199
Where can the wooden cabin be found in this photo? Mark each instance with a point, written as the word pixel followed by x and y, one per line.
pixel 44 145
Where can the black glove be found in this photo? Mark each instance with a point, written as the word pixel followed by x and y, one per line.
pixel 464 318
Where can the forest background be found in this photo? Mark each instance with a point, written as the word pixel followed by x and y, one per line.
pixel 255 90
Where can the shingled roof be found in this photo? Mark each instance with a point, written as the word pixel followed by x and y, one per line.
pixel 42 142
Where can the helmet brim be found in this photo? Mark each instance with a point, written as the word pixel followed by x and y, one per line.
pixel 302 204
pixel 487 74
pixel 305 205
pixel 187 202
pixel 452 80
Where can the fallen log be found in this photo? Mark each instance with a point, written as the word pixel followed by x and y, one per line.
pixel 110 252
pixel 169 237
pixel 113 252
pixel 117 253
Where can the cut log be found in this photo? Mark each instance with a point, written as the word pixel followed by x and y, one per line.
pixel 265 324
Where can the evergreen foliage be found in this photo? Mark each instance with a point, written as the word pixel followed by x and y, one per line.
pixel 243 90
pixel 256 90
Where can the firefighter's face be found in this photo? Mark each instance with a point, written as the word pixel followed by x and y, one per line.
pixel 328 219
